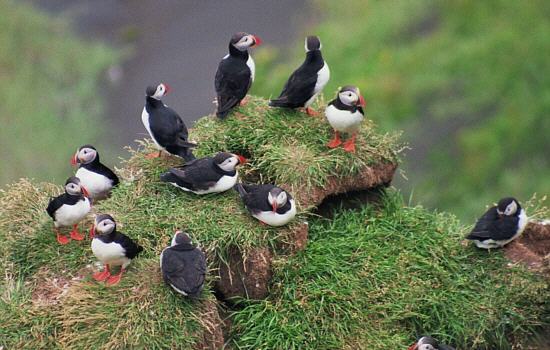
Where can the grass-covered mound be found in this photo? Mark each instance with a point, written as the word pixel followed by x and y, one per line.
pixel 378 277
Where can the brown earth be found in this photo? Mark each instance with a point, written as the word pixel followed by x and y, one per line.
pixel 532 248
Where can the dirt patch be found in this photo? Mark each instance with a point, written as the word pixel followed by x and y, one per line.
pixel 248 277
pixel 369 178
pixel 532 249
pixel 212 337
pixel 49 288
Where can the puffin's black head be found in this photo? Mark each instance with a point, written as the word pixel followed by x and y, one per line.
pixel 103 224
pixel 84 155
pixel 228 161
pixel 351 96
pixel 425 343
pixel 313 43
pixel 180 237
pixel 508 206
pixel 277 198
pixel 74 188
pixel 242 41
pixel 157 92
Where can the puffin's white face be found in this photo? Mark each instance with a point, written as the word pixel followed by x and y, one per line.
pixel 511 209
pixel 245 42
pixel 348 97
pixel 86 155
pixel 426 347
pixel 162 89
pixel 105 226
pixel 229 164
pixel 73 189
pixel 278 200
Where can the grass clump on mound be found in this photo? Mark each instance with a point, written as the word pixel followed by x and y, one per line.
pixel 289 147
pixel 377 278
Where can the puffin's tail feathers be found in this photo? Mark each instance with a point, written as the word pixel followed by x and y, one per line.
pixel 168 177
pixel 281 102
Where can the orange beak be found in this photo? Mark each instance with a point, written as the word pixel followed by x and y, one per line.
pixel 413 347
pixel 242 159
pixel 362 102
pixel 92 231
pixel 274 207
pixel 74 159
pixel 85 191
pixel 257 40
pixel 167 88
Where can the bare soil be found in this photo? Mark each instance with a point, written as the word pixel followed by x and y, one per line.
pixel 532 249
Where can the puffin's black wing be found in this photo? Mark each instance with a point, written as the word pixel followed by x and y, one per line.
pixel 255 199
pixel 54 204
pixel 104 170
pixel 166 125
pixel 297 90
pixel 195 175
pixel 233 79
pixel 131 248
pixel 184 269
pixel 493 226
pixel 505 228
pixel 483 226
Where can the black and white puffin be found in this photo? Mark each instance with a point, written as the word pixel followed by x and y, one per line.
pixel 112 248
pixel 206 175
pixel 500 225
pixel 306 82
pixel 165 126
pixel 429 343
pixel 268 203
pixel 94 176
pixel 345 114
pixel 235 73
pixel 183 266
pixel 69 209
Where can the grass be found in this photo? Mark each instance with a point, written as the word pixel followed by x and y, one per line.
pixel 49 90
pixel 379 277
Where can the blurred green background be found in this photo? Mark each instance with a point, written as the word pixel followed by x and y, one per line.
pixel 467 81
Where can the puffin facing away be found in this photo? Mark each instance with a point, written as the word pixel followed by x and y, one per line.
pixel 235 73
pixel 206 175
pixel 93 175
pixel 111 248
pixel 345 114
pixel 268 203
pixel 307 81
pixel 500 225
pixel 165 126
pixel 429 343
pixel 69 209
pixel 183 266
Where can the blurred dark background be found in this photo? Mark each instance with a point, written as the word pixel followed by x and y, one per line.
pixel 468 82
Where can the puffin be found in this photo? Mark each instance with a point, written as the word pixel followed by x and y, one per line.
pixel 235 73
pixel 69 208
pixel 268 203
pixel 206 175
pixel 345 114
pixel 112 248
pixel 165 126
pixel 500 225
pixel 306 82
pixel 183 266
pixel 429 343
pixel 94 176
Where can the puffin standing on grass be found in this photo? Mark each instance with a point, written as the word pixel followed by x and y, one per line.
pixel 307 81
pixel 345 114
pixel 500 225
pixel 165 126
pixel 111 248
pixel 94 176
pixel 183 266
pixel 206 175
pixel 268 203
pixel 429 343
pixel 235 73
pixel 69 209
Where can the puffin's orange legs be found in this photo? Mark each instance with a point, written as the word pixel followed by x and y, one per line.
pixel 311 112
pixel 335 142
pixel 111 281
pixel 349 145
pixel 61 239
pixel 75 234
pixel 103 275
pixel 153 155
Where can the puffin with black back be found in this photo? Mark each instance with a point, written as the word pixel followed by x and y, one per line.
pixel 69 208
pixel 500 225
pixel 268 203
pixel 345 114
pixel 165 126
pixel 112 248
pixel 206 175
pixel 183 266
pixel 94 176
pixel 306 82
pixel 429 343
pixel 235 73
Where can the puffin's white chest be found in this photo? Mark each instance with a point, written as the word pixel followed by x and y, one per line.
pixel 109 253
pixel 342 120
pixel 145 121
pixel 95 183
pixel 323 75
pixel 275 219
pixel 68 215
pixel 224 183
pixel 252 66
